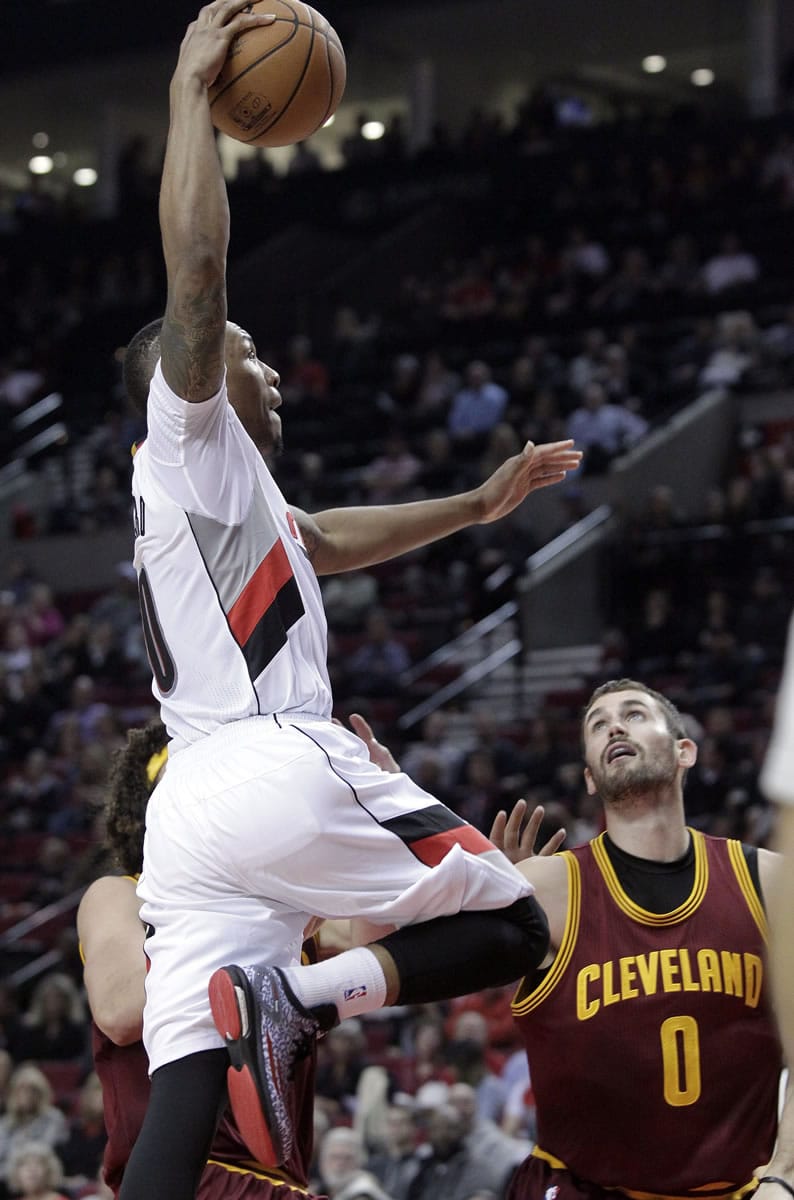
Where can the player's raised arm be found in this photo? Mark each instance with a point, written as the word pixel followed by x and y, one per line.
pixel 194 208
pixel 344 539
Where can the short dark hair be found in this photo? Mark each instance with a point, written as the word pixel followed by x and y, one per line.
pixel 128 794
pixel 675 722
pixel 140 359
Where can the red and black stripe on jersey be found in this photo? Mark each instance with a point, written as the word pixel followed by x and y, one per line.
pixel 430 833
pixel 259 595
pixel 265 609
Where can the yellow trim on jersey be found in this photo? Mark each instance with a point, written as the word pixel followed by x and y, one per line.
pixel 745 881
pixel 706 1190
pixel 642 915
pixel 520 1008
pixel 155 764
pixel 275 1180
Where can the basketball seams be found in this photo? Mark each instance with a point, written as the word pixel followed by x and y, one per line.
pixel 295 25
pixel 314 75
pixel 285 108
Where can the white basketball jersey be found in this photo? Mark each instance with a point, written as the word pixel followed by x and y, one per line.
pixel 231 607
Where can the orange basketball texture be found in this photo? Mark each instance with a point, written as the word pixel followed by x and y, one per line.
pixel 280 82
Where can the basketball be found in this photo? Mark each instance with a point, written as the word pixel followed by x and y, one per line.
pixel 280 82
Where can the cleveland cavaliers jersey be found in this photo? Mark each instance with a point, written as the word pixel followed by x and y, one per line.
pixel 231 608
pixel 652 1051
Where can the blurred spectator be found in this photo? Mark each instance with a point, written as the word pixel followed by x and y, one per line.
pixel 449 1169
pixel 341 1059
pixel 492 1004
pixel 105 504
pixel 18 578
pixel 30 1115
pixel 584 254
pixel 476 1063
pixel 348 597
pixel 75 816
pixel 52 863
pixel 603 430
pixel 735 351
pixel 81 1152
pixel 477 406
pixel 342 1175
pixel 441 472
pixel 83 707
pixel 43 618
pixel 628 288
pixel 35 1172
pixel 304 160
pixel 499 1153
pixel 427 1061
pixel 97 1190
pixel 389 477
pixel 469 295
pixel 502 443
pixel 479 794
pixel 680 269
pixel 438 745
pixel 21 380
pixel 17 653
pixel 305 378
pixel 437 385
pixel 54 1024
pixel 398 397
pixel 395 1164
pixel 731 267
pixel 34 788
pixel 375 668
pixel 587 366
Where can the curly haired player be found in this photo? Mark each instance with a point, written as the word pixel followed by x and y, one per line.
pixel 111 942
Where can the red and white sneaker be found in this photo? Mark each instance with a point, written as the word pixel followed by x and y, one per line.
pixel 267 1031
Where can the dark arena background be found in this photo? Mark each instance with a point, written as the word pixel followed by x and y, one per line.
pixel 525 216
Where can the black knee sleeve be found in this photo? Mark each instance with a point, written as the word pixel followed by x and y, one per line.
pixel 453 956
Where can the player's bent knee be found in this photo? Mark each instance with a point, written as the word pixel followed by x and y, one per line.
pixel 453 956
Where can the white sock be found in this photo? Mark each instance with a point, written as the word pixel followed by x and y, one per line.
pixel 353 981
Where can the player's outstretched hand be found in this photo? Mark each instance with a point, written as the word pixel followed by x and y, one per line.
pixel 516 839
pixel 379 754
pixel 535 467
pixel 207 40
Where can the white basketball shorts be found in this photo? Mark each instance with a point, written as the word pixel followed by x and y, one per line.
pixel 268 822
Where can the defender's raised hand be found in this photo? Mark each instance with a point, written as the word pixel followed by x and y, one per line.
pixel 517 840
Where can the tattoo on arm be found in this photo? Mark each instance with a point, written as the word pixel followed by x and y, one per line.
pixel 192 342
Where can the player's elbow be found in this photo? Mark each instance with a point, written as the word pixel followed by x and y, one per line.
pixel 118 1015
pixel 121 1024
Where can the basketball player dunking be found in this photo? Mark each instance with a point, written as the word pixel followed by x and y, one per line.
pixel 269 813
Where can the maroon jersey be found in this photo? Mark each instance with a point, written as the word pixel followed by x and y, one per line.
pixel 231 1173
pixel 653 1054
